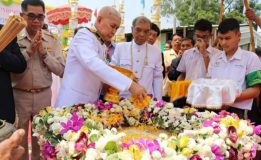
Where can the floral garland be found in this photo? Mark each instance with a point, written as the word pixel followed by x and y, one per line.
pixel 89 132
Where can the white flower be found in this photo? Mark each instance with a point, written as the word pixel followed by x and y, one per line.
pixel 205 151
pixel 156 155
pixel 56 128
pixel 146 155
pixel 206 130
pixel 125 155
pixel 163 136
pixel 91 154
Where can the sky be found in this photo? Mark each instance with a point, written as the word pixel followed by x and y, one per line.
pixel 133 8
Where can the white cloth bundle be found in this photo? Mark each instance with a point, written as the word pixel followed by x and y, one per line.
pixel 212 93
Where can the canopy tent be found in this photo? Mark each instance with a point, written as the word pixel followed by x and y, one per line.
pixel 61 15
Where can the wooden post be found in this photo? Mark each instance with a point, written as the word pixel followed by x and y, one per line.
pixel 221 10
pixel 252 41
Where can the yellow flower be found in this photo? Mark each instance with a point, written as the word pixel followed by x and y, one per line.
pixel 113 119
pixel 135 152
pixel 172 144
pixel 187 152
pixel 240 133
pixel 229 121
pixel 42 113
pixel 189 110
pixel 85 129
pixel 183 141
pixel 49 109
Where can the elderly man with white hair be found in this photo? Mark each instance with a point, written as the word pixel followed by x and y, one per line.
pixel 86 70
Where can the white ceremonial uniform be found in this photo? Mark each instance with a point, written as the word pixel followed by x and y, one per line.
pixel 146 64
pixel 242 63
pixel 192 63
pixel 85 71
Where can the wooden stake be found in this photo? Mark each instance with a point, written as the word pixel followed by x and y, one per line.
pixel 221 10
pixel 252 40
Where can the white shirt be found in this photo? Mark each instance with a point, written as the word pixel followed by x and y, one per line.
pixel 85 71
pixel 147 70
pixel 192 63
pixel 242 63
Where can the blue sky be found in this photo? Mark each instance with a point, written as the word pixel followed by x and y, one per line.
pixel 133 8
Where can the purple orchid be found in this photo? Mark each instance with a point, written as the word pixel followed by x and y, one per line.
pixel 48 151
pixel 103 106
pixel 74 124
pixel 253 151
pixel 257 130
pixel 207 123
pixel 160 104
pixel 217 151
pixel 145 144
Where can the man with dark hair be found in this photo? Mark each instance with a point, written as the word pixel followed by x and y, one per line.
pixel 154 34
pixel 194 62
pixel 11 61
pixel 43 54
pixel 171 54
pixel 244 67
pixel 141 58
pixel 186 44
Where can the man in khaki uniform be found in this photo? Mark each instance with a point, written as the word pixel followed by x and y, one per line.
pixel 44 56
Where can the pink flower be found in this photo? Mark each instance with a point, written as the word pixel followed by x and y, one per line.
pixel 74 124
pixel 101 106
pixel 207 123
pixel 233 154
pixel 223 114
pixel 253 151
pixel 232 134
pixel 257 130
pixel 217 151
pixel 160 104
pixel 217 129
pixel 195 157
pixel 48 151
pixel 82 145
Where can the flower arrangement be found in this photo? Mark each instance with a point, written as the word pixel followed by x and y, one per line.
pixel 88 132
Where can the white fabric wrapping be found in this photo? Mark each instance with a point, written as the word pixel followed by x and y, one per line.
pixel 212 93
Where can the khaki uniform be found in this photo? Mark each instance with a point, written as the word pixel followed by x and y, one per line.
pixel 31 88
pixel 169 55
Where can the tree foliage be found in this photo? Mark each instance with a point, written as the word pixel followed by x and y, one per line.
pixel 189 11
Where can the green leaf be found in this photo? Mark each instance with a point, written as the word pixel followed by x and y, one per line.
pixel 112 157
pixel 111 147
pixel 94 138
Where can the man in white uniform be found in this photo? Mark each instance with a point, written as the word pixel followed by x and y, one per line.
pixel 143 59
pixel 194 62
pixel 86 70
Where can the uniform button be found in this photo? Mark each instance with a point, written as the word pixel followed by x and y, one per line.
pixel 136 71
pixel 137 61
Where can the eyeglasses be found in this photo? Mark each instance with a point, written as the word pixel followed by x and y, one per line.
pixel 32 16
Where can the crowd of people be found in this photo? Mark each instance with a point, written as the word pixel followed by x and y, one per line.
pixel 27 64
